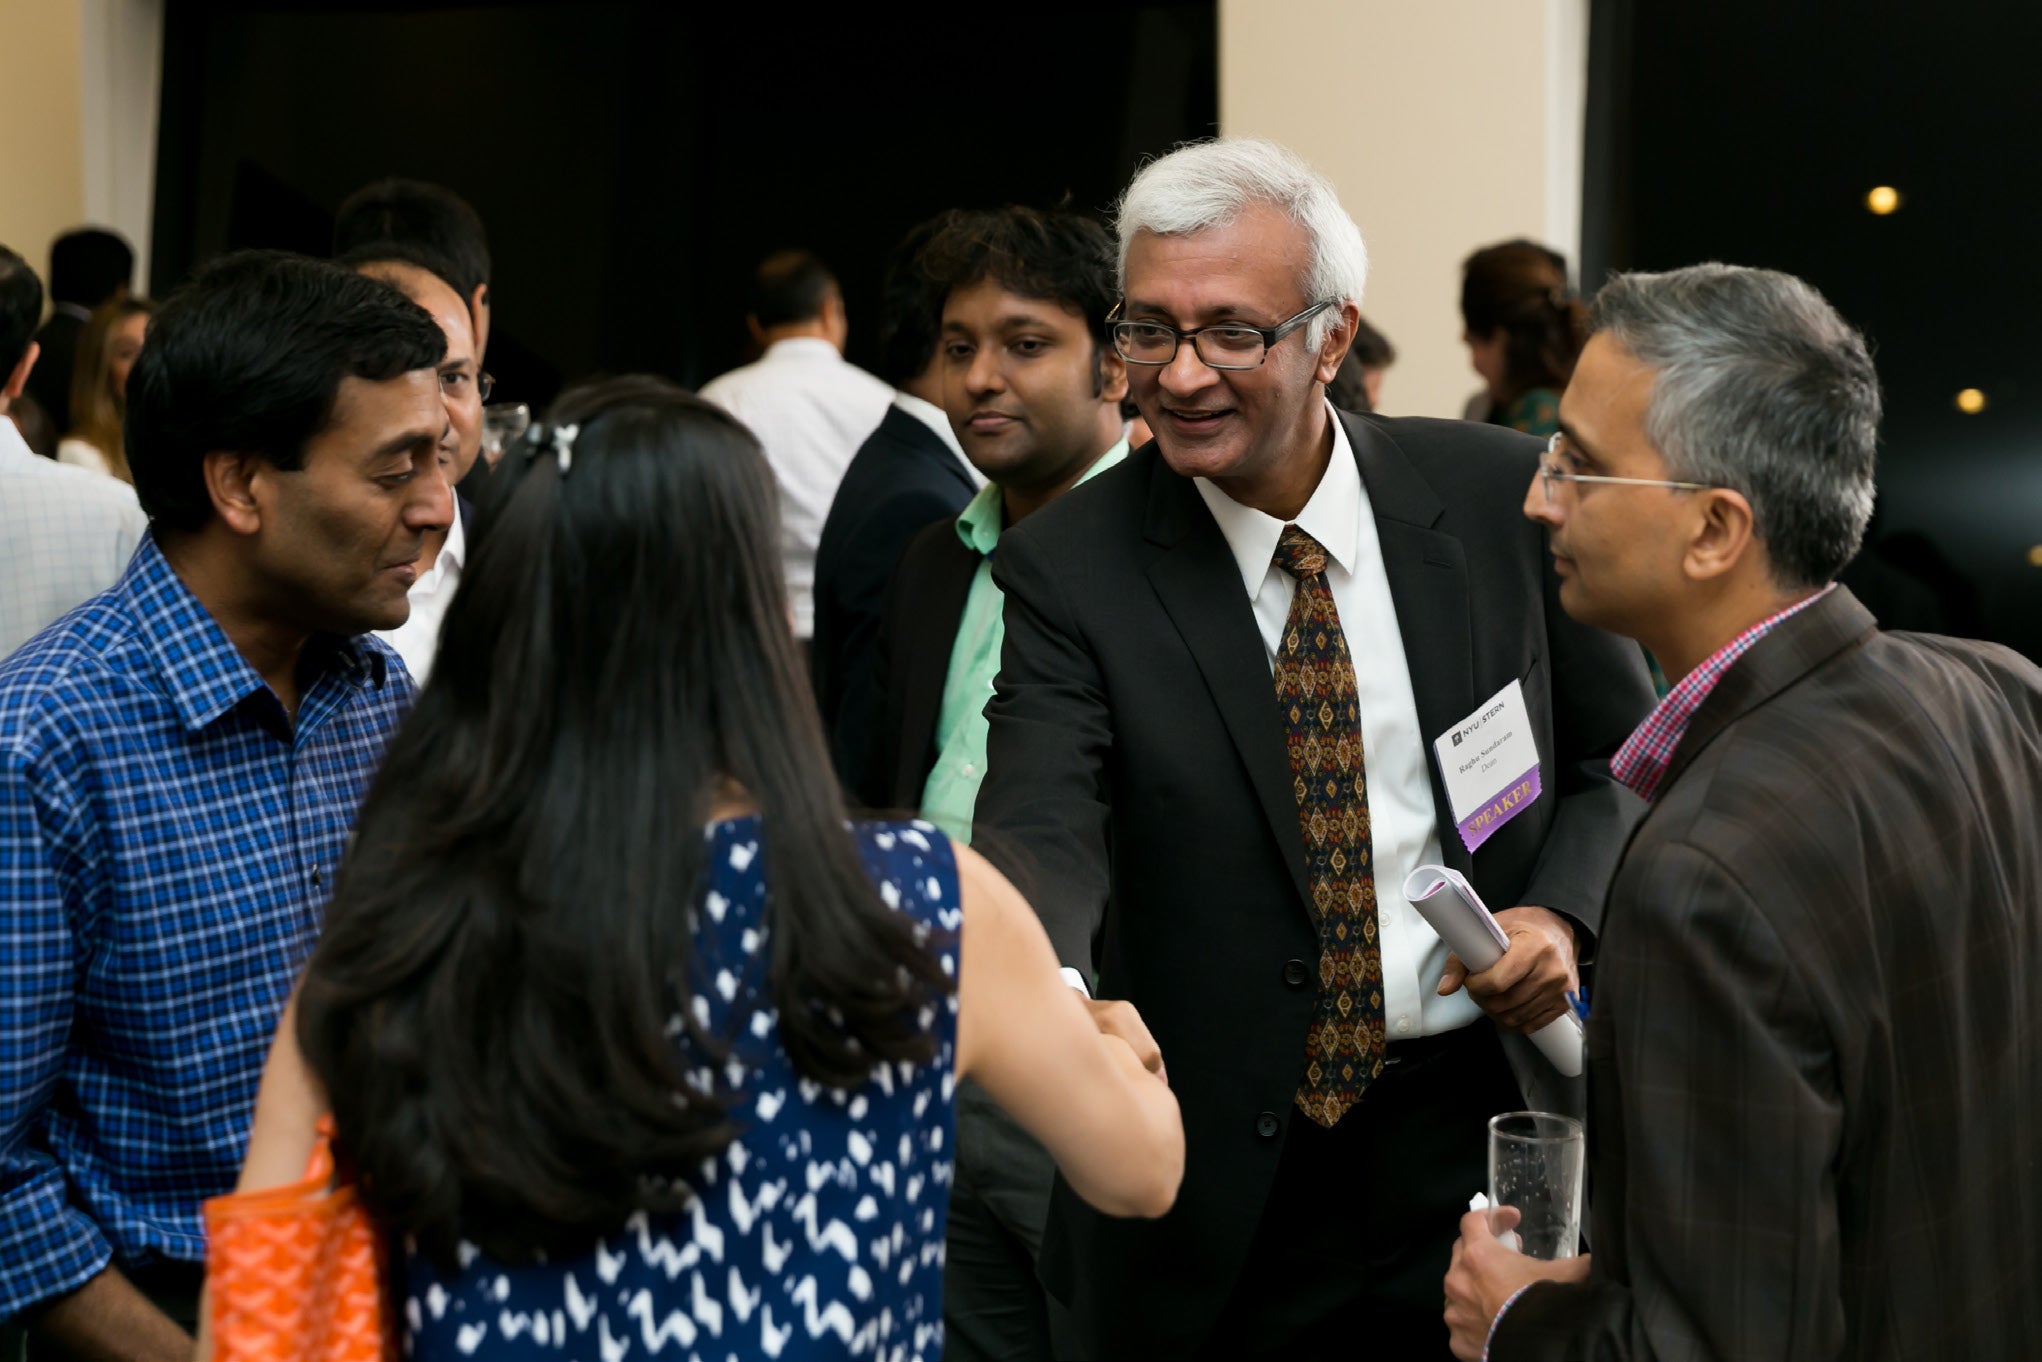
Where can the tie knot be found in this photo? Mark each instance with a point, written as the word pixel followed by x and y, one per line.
pixel 1299 554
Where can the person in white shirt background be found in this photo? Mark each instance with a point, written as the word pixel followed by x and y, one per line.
pixel 463 387
pixel 65 534
pixel 809 407
pixel 106 351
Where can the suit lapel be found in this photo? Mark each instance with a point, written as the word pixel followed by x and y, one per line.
pixel 1789 652
pixel 937 610
pixel 1427 572
pixel 1200 589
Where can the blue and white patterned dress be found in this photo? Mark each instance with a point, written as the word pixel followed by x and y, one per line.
pixel 819 1231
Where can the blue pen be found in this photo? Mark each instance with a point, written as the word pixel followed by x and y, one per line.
pixel 1579 1002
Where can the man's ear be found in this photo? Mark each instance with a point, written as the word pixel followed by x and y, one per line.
pixel 1112 376
pixel 1337 341
pixel 478 313
pixel 18 380
pixel 233 483
pixel 1722 536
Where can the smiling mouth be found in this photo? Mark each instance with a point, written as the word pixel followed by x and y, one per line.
pixel 1196 418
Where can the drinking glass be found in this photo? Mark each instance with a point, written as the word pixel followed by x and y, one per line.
pixel 1535 1160
pixel 501 427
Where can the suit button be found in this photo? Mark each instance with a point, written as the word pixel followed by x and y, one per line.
pixel 1266 1125
pixel 1295 973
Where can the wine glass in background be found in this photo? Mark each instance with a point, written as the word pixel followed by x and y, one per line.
pixel 500 426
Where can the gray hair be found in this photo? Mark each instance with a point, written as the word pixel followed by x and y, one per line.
pixel 1209 184
pixel 1760 387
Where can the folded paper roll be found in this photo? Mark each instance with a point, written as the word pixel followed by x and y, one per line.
pixel 1450 905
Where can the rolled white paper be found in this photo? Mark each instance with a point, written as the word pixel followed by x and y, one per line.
pixel 1450 905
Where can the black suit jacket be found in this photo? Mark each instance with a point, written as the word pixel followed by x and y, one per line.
pixel 49 383
pixel 902 478
pixel 1137 781
pixel 1814 1062
pixel 911 666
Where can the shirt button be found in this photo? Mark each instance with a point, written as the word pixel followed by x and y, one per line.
pixel 317 878
pixel 1403 1025
pixel 1295 973
pixel 1267 1126
pixel 970 770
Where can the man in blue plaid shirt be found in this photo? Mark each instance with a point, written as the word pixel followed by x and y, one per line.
pixel 180 762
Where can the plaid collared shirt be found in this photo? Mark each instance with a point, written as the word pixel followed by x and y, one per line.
pixel 167 841
pixel 1640 764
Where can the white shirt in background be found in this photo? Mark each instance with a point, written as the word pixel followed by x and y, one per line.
pixel 811 409
pixel 1403 825
pixel 417 640
pixel 65 536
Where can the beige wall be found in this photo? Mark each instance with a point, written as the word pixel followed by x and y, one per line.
pixel 42 160
pixel 1445 125
pixel 79 81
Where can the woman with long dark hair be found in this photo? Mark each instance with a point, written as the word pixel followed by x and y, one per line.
pixel 627 1032
pixel 1524 329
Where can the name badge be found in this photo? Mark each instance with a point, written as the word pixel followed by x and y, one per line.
pixel 1490 765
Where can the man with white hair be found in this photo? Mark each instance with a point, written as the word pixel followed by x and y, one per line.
pixel 1226 665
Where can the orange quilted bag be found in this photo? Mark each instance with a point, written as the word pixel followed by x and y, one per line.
pixel 296 1272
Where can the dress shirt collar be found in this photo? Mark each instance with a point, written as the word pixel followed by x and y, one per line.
pixel 12 446
pixel 979 523
pixel 1642 762
pixel 801 350
pixel 1333 516
pixel 931 415
pixel 204 674
pixel 453 556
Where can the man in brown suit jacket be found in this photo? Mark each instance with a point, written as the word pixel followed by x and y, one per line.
pixel 1814 1075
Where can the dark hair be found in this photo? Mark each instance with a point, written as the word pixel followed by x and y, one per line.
pixel 1059 256
pixel 402 253
pixel 1371 350
pixel 21 309
pixel 427 216
pixel 1520 288
pixel 89 265
pixel 910 307
pixel 492 1006
pixel 790 286
pixel 248 356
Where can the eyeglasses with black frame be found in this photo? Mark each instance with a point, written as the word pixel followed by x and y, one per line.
pixel 1227 345
pixel 1548 474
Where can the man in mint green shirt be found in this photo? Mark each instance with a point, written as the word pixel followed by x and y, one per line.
pixel 1033 390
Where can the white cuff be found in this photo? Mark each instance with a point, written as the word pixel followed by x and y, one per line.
pixel 1076 980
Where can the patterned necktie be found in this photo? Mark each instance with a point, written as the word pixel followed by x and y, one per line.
pixel 1322 735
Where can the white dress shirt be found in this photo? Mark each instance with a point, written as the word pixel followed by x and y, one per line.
pixel 65 536
pixel 1403 824
pixel 811 410
pixel 417 640
pixel 934 417
pixel 82 454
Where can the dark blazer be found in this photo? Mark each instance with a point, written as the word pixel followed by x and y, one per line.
pixel 1135 759
pixel 1815 1072
pixel 911 666
pixel 49 383
pixel 902 478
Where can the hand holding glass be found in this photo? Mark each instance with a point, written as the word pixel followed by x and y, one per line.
pixel 1535 1163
